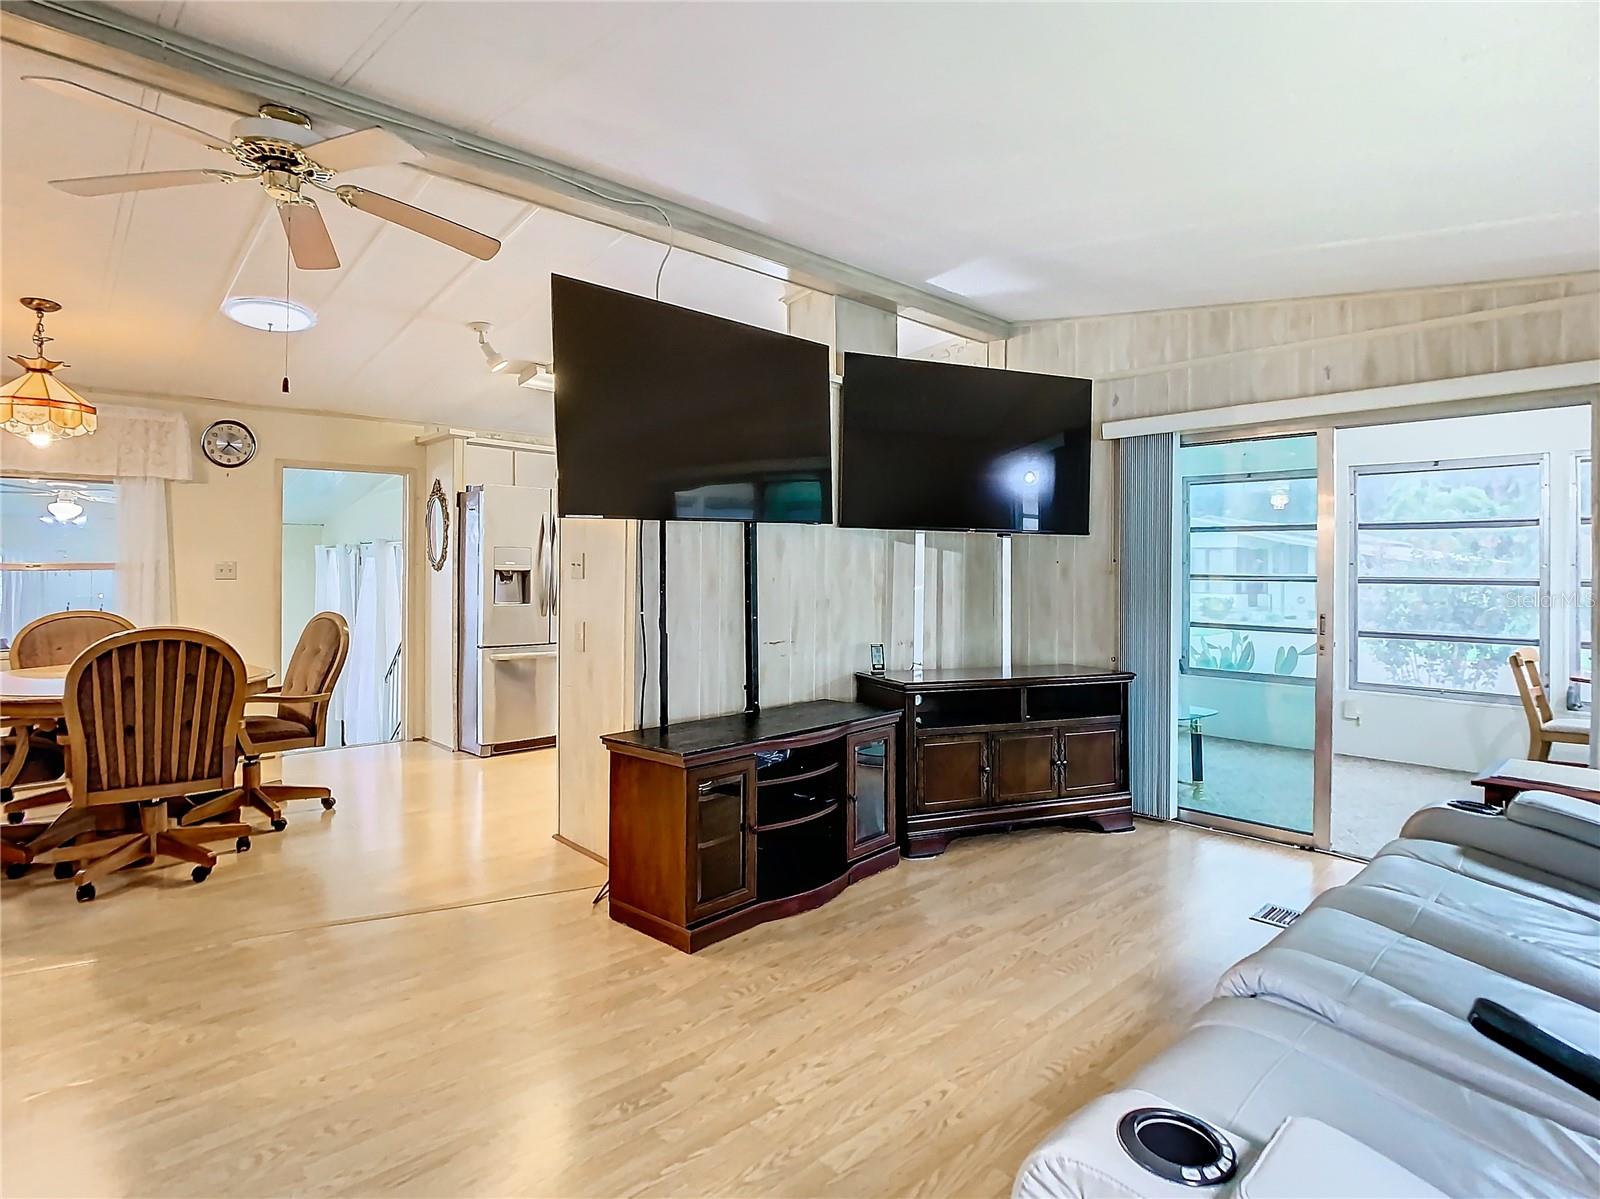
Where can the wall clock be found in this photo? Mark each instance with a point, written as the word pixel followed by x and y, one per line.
pixel 228 443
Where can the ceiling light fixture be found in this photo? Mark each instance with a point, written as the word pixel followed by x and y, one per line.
pixel 36 404
pixel 63 509
pixel 537 377
pixel 496 362
pixel 269 314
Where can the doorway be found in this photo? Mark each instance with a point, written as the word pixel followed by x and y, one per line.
pixel 1349 599
pixel 344 551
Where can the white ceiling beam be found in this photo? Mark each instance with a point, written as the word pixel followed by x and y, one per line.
pixel 111 41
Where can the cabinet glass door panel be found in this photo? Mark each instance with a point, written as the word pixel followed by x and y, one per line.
pixel 721 840
pixel 871 787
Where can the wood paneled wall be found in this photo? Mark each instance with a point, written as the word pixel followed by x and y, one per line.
pixel 1156 363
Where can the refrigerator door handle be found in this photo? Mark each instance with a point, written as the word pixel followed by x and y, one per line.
pixel 544 571
pixel 552 572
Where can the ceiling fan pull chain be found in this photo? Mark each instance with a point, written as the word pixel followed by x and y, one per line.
pixel 288 263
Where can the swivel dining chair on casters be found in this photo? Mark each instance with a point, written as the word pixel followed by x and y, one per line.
pixel 152 715
pixel 300 721
pixel 53 640
pixel 1545 728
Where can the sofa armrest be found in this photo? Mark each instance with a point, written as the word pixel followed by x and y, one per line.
pixel 1564 815
pixel 1307 1159
pixel 1516 840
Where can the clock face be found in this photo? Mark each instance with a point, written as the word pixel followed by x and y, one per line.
pixel 228 443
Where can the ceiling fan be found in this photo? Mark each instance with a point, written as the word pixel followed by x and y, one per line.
pixel 277 150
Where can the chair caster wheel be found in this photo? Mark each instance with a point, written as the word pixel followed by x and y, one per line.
pixel 200 873
pixel 327 803
pixel 14 817
pixel 85 893
pixel 279 824
pixel 64 871
pixel 242 845
pixel 16 869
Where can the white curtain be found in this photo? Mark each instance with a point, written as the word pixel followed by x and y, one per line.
pixel 363 584
pixel 144 551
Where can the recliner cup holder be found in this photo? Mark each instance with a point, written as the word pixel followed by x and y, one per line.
pixel 1177 1147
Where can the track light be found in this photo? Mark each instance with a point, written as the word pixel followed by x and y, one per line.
pixel 495 361
pixel 537 377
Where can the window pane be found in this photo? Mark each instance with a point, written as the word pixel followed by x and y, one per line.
pixel 1235 602
pixel 28 594
pixel 83 527
pixel 1585 555
pixel 1291 654
pixel 1438 665
pixel 1448 608
pixel 1268 552
pixel 1470 493
pixel 1449 553
pixel 1585 482
pixel 1254 502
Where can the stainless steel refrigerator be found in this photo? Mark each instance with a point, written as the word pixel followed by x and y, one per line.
pixel 508 619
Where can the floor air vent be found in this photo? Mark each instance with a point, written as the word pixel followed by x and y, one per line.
pixel 1276 915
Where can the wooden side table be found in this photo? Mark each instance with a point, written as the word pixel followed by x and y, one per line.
pixel 1515 775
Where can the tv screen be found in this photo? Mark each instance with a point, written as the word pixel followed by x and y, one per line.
pixel 663 413
pixel 932 445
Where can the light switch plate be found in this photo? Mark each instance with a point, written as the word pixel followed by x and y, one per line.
pixel 225 570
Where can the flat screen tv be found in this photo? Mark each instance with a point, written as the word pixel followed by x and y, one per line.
pixel 933 445
pixel 663 413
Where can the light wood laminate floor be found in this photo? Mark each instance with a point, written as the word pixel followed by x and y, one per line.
pixel 413 996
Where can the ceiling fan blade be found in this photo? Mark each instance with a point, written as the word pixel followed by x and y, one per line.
pixel 364 148
pixel 457 237
pixel 111 185
pixel 77 91
pixel 308 235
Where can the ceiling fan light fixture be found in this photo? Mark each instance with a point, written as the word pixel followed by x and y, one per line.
pixel 64 510
pixel 269 314
pixel 36 404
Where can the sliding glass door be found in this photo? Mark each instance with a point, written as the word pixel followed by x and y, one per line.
pixel 1251 525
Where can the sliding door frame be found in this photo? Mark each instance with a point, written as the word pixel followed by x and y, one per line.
pixel 1322 746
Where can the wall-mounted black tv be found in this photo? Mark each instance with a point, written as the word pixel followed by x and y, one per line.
pixel 663 413
pixel 933 445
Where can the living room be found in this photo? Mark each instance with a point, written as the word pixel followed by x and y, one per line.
pixel 806 658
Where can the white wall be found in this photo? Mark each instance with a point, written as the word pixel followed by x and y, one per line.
pixel 299 576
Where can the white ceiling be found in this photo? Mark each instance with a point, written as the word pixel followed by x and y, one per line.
pixel 142 276
pixel 1035 160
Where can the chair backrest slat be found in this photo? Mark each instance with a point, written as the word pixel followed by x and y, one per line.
pixel 58 638
pixel 1525 672
pixel 153 711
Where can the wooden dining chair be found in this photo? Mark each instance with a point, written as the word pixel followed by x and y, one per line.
pixel 152 715
pixel 1545 728
pixel 29 755
pixel 300 721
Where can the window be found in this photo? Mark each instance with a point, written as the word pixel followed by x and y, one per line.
pixel 58 549
pixel 1250 575
pixel 1449 568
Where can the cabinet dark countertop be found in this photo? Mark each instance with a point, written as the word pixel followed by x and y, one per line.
pixel 992 676
pixel 711 735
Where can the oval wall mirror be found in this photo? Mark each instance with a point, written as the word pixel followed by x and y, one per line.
pixel 437 519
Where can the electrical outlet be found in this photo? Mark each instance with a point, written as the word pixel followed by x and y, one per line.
pixel 225 570
pixel 577 565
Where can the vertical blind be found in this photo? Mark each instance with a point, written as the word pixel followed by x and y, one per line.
pixel 1146 473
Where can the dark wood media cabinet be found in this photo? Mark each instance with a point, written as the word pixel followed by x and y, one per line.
pixel 724 823
pixel 984 749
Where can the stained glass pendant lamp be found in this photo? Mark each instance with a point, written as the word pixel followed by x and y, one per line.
pixel 36 404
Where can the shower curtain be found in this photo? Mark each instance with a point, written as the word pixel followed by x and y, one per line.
pixel 363 584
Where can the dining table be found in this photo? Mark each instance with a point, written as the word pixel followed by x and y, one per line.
pixel 32 695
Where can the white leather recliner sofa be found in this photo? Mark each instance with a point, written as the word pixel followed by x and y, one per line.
pixel 1338 1061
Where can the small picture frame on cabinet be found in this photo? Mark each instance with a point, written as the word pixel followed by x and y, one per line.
pixel 877 658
